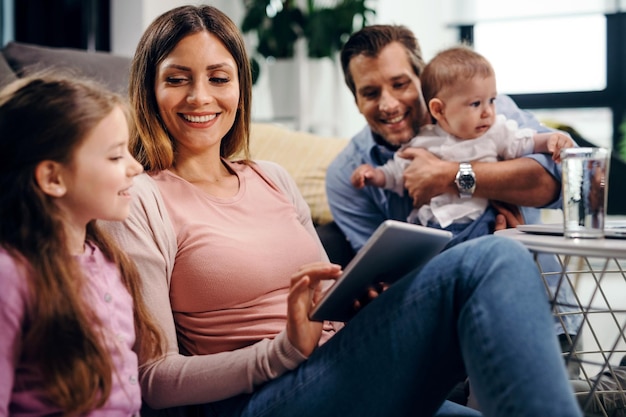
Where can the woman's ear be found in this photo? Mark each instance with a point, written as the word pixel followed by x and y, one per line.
pixel 435 107
pixel 49 179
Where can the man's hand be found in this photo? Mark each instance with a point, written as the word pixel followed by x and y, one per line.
pixel 427 176
pixel 371 293
pixel 508 216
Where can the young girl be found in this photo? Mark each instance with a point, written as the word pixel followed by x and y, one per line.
pixel 67 316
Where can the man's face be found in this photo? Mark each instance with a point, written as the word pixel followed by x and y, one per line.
pixel 389 94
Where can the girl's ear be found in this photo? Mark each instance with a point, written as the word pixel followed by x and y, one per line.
pixel 435 107
pixel 49 179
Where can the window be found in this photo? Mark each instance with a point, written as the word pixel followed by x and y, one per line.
pixel 545 55
pixel 563 60
pixel 592 123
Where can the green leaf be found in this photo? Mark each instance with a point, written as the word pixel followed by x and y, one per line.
pixel 325 28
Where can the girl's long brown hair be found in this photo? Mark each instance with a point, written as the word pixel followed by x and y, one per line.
pixel 46 117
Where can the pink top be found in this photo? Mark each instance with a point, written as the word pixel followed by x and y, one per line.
pixel 215 275
pixel 221 303
pixel 112 303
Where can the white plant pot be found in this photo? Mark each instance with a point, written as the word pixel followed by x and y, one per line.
pixel 284 88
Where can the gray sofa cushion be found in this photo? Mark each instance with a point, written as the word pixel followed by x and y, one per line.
pixel 6 73
pixel 111 70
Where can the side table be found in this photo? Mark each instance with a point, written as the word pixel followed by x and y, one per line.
pixel 595 269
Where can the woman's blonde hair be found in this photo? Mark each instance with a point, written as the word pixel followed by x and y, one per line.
pixel 152 145
pixel 47 117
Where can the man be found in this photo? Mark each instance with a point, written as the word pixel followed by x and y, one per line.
pixel 382 65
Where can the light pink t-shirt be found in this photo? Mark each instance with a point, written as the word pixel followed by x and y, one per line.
pixel 107 295
pixel 219 302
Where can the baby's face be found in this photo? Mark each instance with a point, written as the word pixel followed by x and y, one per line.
pixel 469 108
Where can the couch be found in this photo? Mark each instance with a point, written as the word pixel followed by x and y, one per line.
pixel 304 155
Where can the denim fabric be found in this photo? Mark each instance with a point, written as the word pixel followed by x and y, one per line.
pixel 561 292
pixel 403 353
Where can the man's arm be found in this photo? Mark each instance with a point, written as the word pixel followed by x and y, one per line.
pixel 530 181
pixel 522 181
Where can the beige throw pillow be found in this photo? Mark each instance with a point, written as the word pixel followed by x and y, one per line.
pixel 304 155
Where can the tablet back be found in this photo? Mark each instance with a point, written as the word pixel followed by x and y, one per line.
pixel 391 252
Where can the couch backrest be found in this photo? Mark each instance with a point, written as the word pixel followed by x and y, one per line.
pixel 305 156
pixel 109 69
pixel 6 73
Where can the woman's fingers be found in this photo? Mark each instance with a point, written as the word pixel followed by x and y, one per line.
pixel 317 272
pixel 305 290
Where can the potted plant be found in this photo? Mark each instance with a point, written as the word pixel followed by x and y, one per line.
pixel 279 24
pixel 324 25
pixel 327 28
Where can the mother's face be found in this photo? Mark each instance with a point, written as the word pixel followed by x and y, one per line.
pixel 197 93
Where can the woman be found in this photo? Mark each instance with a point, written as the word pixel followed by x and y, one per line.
pixel 231 266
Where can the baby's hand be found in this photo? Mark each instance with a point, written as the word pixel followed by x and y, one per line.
pixel 362 176
pixel 556 143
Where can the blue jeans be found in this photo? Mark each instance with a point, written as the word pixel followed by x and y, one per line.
pixel 481 303
pixel 565 297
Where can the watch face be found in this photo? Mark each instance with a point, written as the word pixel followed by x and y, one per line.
pixel 466 182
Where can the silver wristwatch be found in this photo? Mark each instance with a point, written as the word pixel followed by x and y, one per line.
pixel 465 180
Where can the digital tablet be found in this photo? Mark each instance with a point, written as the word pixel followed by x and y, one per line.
pixel 391 252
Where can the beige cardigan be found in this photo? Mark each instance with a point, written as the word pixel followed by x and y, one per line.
pixel 147 236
